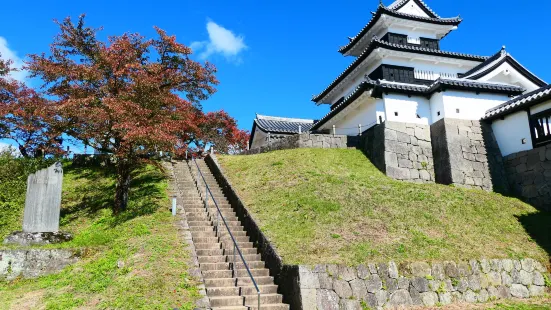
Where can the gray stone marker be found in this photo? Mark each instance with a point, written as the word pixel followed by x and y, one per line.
pixel 43 200
pixel 42 209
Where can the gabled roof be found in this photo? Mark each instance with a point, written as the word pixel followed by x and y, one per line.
pixel 398 4
pixel 379 87
pixel 497 60
pixel 375 43
pixel 274 124
pixel 521 102
pixel 280 125
pixel 382 10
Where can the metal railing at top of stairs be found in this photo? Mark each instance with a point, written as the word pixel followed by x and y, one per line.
pixel 219 216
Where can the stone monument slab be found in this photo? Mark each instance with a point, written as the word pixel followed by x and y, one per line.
pixel 43 200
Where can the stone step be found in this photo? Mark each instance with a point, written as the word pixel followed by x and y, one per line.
pixel 240 281
pixel 254 307
pixel 208 234
pixel 210 274
pixel 212 223
pixel 224 245
pixel 211 228
pixel 223 301
pixel 217 239
pixel 264 299
pixel 246 290
pixel 228 266
pixel 228 258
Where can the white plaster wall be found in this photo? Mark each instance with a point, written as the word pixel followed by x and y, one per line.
pixel 471 106
pixel 357 78
pixel 436 106
pixel 418 33
pixel 412 8
pixel 507 74
pixel 510 131
pixel 540 107
pixel 259 139
pixel 407 108
pixel 420 64
pixel 366 114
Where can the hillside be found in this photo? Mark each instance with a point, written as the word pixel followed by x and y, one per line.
pixel 334 206
pixel 132 261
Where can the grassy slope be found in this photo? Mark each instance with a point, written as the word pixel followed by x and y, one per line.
pixel 143 241
pixel 334 206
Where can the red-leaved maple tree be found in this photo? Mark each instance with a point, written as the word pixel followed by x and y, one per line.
pixel 26 117
pixel 129 96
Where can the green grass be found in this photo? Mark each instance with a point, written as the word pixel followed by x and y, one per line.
pixel 132 261
pixel 543 303
pixel 334 206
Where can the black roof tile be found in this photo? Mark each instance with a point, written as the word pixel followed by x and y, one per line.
pixel 529 99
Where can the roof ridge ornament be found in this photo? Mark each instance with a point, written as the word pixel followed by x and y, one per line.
pixel 503 51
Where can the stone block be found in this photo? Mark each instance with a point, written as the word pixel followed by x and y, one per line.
pixel 363 272
pixel 309 299
pixel 308 279
pixel 445 298
pixel 519 291
pixel 470 296
pixel 350 304
pixel 405 163
pixel 347 273
pixel 438 272
pixel 398 173
pixel 390 135
pixel 421 285
pixel 327 300
pixel 535 290
pixel 528 264
pixel 429 299
pixel 392 270
pixel 422 133
pixel 400 298
pixel 359 290
pixel 373 283
pixel 342 288
pixel 526 278
pixel 381 297
pixel 325 281
pixel 403 137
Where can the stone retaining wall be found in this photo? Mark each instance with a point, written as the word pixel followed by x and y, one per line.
pixel 529 176
pixel 306 140
pixel 388 285
pixel 34 263
pixel 466 154
pixel 403 151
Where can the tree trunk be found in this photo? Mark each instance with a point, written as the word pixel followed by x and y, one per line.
pixel 124 169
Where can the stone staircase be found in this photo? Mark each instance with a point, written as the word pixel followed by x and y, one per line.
pixel 225 288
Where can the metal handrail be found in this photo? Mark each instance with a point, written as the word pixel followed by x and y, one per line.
pixel 218 216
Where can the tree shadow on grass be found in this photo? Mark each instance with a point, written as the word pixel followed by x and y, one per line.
pixel 94 190
pixel 538 226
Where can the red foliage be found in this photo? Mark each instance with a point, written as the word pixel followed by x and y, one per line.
pixel 130 96
pixel 219 130
pixel 26 117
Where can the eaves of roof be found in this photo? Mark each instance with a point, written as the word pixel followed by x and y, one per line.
pixel 375 43
pixel 520 103
pixel 382 10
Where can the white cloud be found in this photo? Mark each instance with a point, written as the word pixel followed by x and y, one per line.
pixel 221 41
pixel 7 53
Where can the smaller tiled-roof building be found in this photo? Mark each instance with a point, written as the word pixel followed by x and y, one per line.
pixel 267 129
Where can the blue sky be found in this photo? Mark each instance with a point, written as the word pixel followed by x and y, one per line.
pixel 272 56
